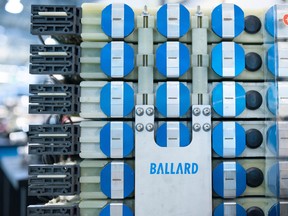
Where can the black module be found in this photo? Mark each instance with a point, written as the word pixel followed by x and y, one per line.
pixel 252 24
pixel 254 138
pixel 253 61
pixel 253 100
pixel 255 211
pixel 254 177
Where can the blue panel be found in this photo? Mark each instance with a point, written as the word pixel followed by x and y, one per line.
pixel 217 139
pixel 271 98
pixel 272 134
pixel 105 99
pixel 161 135
pixel 218 180
pixel 216 20
pixel 105 180
pixel 126 211
pixel 270 21
pixel 106 20
pixel 217 99
pixel 272 60
pixel 128 140
pixel 161 59
pixel 274 210
pixel 129 20
pixel 105 59
pixel 239 20
pixel 219 210
pixel 273 179
pixel 217 56
pixel 162 24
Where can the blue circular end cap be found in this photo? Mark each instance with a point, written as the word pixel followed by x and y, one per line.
pixel 161 99
pixel 183 60
pixel 161 135
pixel 274 210
pixel 107 20
pixel 128 181
pixel 217 21
pixel 270 21
pixel 128 99
pixel 217 99
pixel 106 60
pixel 127 139
pixel 219 210
pixel 218 180
pixel 217 139
pixel 126 211
pixel 272 60
pixel 271 97
pixel 273 179
pixel 217 60
pixel 162 23
pixel 272 139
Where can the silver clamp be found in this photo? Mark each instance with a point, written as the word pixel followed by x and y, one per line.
pixel 173 134
pixel 117 180
pixel 116 139
pixel 229 179
pixel 172 59
pixel 117 25
pixel 229 209
pixel 283 99
pixel 282 128
pixel 229 99
pixel 173 20
pixel 117 59
pixel 117 99
pixel 282 58
pixel 229 139
pixel 228 59
pixel 283 179
pixel 228 27
pixel 173 100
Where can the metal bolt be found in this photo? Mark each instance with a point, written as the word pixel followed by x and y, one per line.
pixel 206 127
pixel 196 127
pixel 139 111
pixel 149 127
pixel 196 111
pixel 150 111
pixel 139 127
pixel 206 111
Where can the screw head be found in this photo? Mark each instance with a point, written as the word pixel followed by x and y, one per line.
pixel 196 127
pixel 149 111
pixel 206 111
pixel 139 111
pixel 196 111
pixel 150 127
pixel 206 127
pixel 139 127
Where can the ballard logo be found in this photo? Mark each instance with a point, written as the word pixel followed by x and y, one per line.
pixel 173 168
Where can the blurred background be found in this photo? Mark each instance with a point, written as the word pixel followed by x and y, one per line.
pixel 15 40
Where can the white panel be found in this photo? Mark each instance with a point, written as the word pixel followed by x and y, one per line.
pixel 117 98
pixel 172 59
pixel 173 134
pixel 173 100
pixel 228 59
pixel 116 209
pixel 229 179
